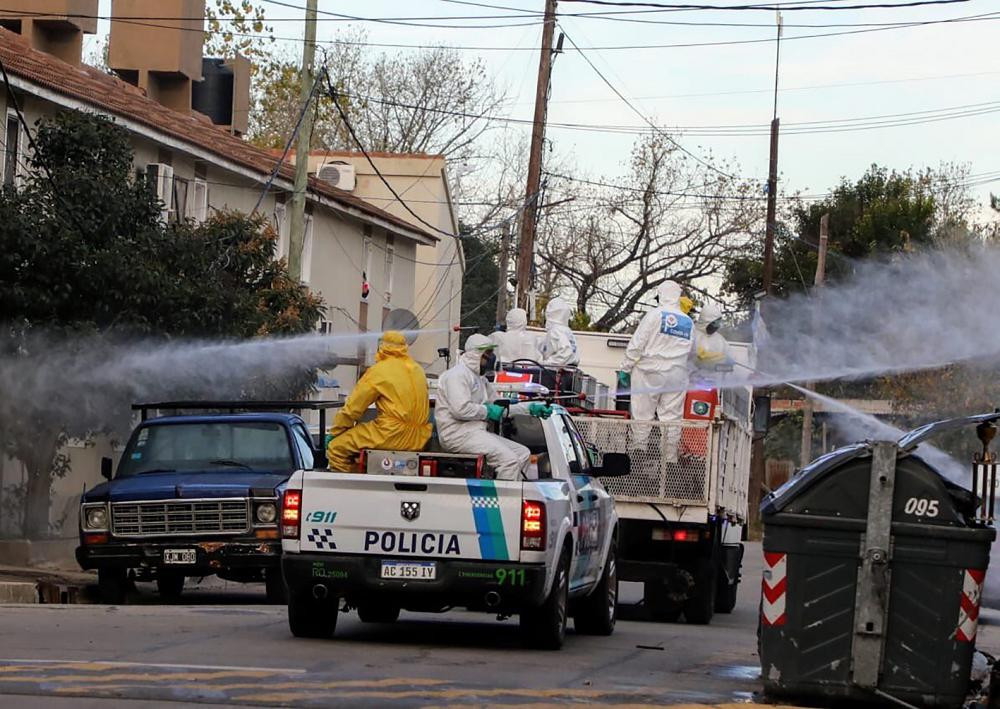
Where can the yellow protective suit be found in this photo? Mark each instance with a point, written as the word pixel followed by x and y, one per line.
pixel 398 388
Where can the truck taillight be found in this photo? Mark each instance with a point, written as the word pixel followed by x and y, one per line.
pixel 291 509
pixel 428 468
pixel 533 526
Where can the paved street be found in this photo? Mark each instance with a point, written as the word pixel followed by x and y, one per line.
pixel 223 648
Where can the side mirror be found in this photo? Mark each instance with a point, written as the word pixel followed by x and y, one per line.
pixel 615 465
pixel 761 414
pixel 574 468
pixel 107 468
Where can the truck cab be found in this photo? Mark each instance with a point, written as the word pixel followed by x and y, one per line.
pixel 194 495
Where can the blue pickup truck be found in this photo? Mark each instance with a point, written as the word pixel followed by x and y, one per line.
pixel 197 494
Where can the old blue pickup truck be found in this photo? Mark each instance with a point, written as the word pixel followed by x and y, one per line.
pixel 197 494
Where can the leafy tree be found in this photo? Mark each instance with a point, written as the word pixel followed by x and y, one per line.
pixel 479 285
pixel 85 262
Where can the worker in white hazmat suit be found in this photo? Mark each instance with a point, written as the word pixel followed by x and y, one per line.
pixel 655 368
pixel 559 344
pixel 516 343
pixel 711 350
pixel 465 404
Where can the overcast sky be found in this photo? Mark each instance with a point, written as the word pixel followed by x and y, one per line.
pixel 869 74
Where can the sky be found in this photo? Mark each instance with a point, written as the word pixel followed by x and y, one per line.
pixel 865 74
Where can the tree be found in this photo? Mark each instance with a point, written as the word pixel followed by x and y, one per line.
pixel 669 218
pixel 479 285
pixel 86 265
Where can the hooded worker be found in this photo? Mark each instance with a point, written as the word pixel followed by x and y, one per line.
pixel 398 388
pixel 655 367
pixel 516 343
pixel 464 405
pixel 558 347
pixel 710 347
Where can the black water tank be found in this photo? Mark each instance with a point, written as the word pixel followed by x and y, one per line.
pixel 213 95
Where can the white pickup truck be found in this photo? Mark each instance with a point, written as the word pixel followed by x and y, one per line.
pixel 426 531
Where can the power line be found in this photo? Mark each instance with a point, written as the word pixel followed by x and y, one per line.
pixel 770 7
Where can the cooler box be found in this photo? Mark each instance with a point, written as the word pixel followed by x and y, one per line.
pixel 699 405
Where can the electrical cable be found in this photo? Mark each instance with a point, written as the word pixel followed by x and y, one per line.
pixel 770 7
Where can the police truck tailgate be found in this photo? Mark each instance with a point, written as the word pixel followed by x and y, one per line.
pixel 404 516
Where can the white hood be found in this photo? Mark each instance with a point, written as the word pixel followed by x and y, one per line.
pixel 669 294
pixel 473 352
pixel 557 313
pixel 517 319
pixel 709 314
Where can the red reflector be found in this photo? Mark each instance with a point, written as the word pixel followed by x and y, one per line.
pixel 95 538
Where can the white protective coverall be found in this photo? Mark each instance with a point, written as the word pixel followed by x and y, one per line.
pixel 516 342
pixel 559 345
pixel 657 359
pixel 709 349
pixel 460 415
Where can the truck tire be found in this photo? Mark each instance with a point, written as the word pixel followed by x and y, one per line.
pixel 310 617
pixel 658 603
pixel 700 607
pixel 725 599
pixel 378 613
pixel 544 628
pixel 274 587
pixel 596 614
pixel 170 585
pixel 112 585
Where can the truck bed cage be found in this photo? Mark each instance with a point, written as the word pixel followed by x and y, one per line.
pixel 234 406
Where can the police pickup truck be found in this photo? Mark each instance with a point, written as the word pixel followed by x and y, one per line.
pixel 426 531
pixel 196 493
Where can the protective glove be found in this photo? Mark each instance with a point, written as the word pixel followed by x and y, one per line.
pixel 540 411
pixel 494 412
pixel 624 380
pixel 326 440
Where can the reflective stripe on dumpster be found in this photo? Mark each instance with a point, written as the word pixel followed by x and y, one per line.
pixel 775 584
pixel 968 613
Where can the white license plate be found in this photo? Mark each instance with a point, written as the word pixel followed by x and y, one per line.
pixel 414 570
pixel 180 556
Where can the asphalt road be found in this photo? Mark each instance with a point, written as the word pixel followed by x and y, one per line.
pixel 222 647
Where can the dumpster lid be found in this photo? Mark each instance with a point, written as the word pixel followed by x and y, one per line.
pixel 918 435
pixel 809 475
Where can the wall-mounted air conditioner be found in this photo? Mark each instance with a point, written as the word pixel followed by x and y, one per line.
pixel 338 173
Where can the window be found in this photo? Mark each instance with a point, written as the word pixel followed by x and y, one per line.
pixel 307 249
pixel 566 440
pixel 325 327
pixel 281 226
pixel 390 254
pixel 12 149
pixel 304 444
pixel 197 201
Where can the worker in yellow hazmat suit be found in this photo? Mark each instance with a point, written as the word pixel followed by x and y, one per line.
pixel 398 388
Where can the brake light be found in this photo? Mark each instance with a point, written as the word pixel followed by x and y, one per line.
pixel 685 535
pixel 291 509
pixel 428 468
pixel 533 526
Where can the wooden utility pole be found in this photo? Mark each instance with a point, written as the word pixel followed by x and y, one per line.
pixel 296 231
pixel 805 455
pixel 502 278
pixel 526 245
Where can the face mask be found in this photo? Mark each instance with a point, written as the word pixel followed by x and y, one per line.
pixel 487 363
pixel 713 327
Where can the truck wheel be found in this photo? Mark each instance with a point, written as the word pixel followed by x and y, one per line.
pixel 274 586
pixel 597 613
pixel 725 599
pixel 660 607
pixel 544 627
pixel 170 585
pixel 310 617
pixel 378 613
pixel 700 607
pixel 112 584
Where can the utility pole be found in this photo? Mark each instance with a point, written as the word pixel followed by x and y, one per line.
pixel 757 462
pixel 526 245
pixel 296 231
pixel 502 280
pixel 807 406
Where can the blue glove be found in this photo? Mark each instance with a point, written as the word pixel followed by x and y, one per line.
pixel 494 412
pixel 540 411
pixel 624 380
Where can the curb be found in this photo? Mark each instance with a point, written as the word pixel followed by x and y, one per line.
pixel 18 592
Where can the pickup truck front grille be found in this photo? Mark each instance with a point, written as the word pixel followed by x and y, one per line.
pixel 180 517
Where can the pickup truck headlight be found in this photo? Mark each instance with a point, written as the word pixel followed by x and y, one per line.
pixel 95 518
pixel 267 512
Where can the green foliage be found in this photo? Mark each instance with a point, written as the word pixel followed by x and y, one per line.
pixel 479 285
pixel 581 321
pixel 83 252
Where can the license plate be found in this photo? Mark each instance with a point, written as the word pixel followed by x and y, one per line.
pixel 180 556
pixel 411 570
